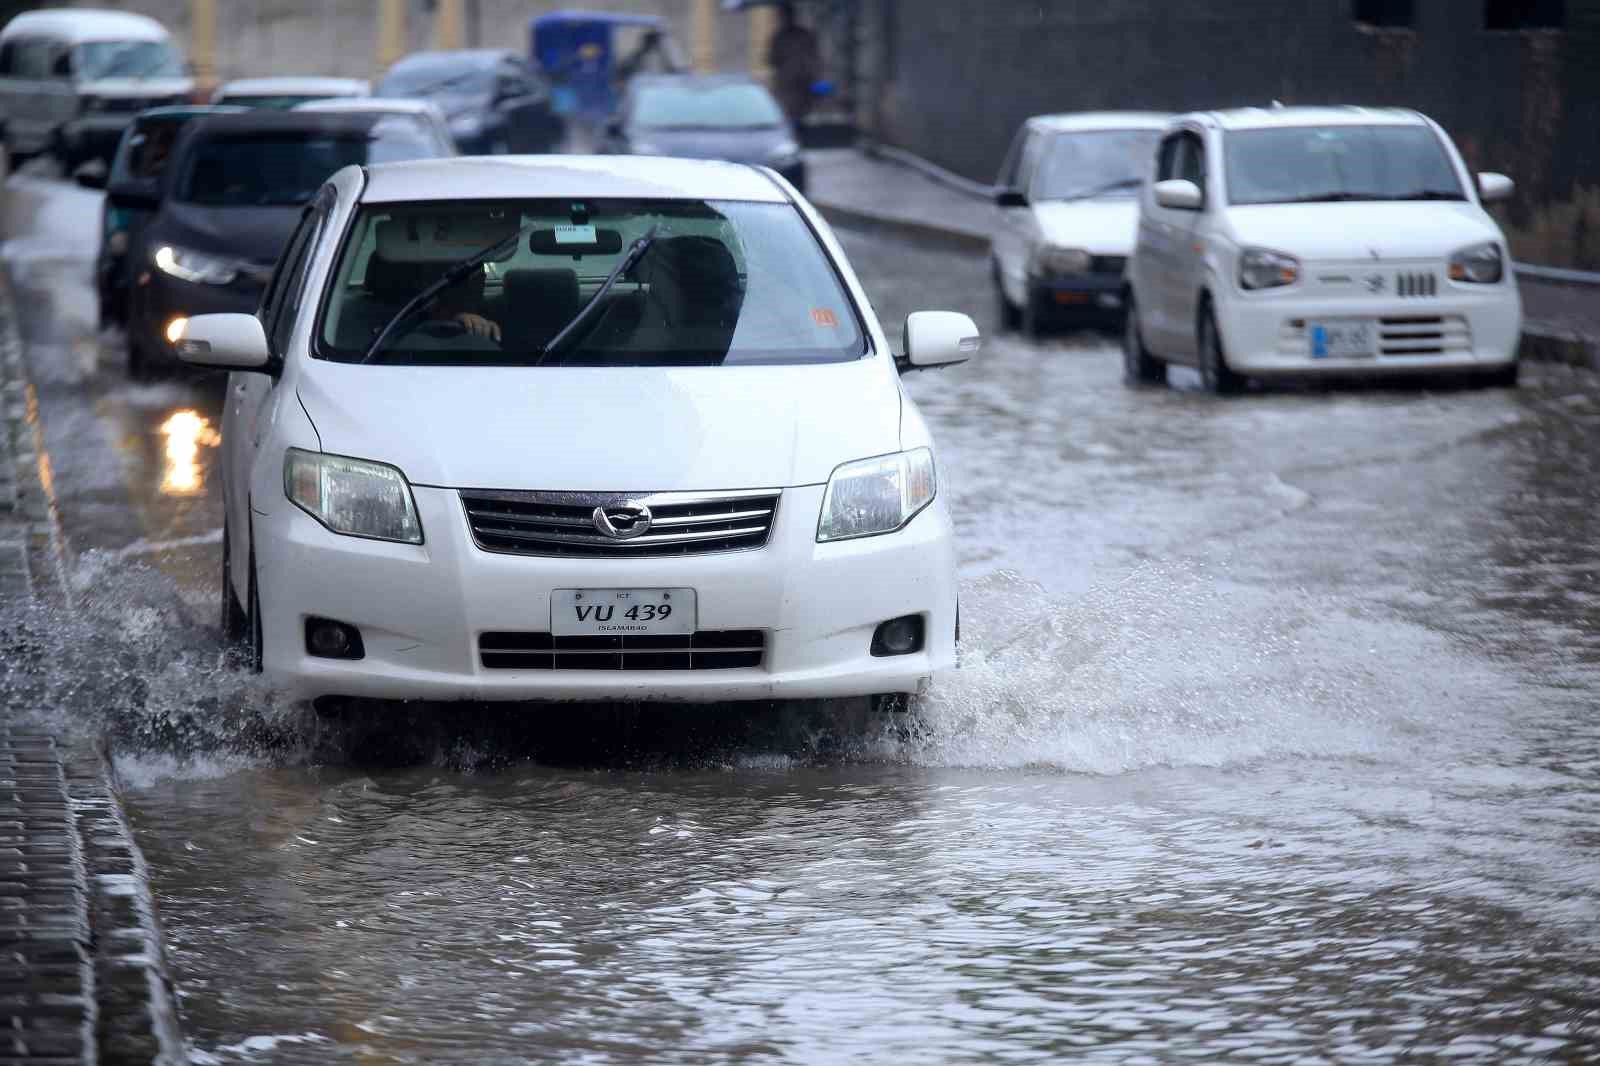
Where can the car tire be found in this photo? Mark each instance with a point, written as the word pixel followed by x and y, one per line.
pixel 1504 377
pixel 256 657
pixel 1005 311
pixel 1139 367
pixel 235 620
pixel 1215 373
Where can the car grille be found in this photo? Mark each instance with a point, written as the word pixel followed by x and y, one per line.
pixel 1425 335
pixel 562 523
pixel 732 649
pixel 1408 284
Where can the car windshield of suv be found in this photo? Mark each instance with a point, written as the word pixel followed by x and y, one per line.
pixel 1320 164
pixel 1105 163
pixel 127 59
pixel 284 169
pixel 435 79
pixel 712 283
pixel 719 107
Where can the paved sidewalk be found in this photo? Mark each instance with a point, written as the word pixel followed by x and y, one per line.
pixel 856 187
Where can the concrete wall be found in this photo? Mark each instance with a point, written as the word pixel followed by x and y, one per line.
pixel 957 78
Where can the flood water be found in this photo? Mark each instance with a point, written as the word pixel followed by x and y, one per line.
pixel 1276 738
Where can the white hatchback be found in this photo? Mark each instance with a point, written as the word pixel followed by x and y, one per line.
pixel 1291 242
pixel 601 428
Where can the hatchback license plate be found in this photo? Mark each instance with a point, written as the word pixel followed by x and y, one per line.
pixel 1350 338
pixel 622 612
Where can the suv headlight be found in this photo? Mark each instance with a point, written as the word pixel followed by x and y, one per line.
pixel 874 496
pixel 1262 268
pixel 1050 260
pixel 1481 264
pixel 186 264
pixel 352 496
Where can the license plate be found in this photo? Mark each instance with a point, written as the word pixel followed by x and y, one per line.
pixel 1351 338
pixel 622 612
pixel 1074 298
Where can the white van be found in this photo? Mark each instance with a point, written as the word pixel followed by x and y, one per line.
pixel 71 79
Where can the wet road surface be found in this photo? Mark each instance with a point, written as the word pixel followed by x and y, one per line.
pixel 1276 738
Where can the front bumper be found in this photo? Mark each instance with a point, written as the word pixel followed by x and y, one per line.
pixel 421 609
pixel 1077 293
pixel 1463 328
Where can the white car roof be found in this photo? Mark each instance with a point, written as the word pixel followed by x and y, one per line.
pixel 371 105
pixel 516 177
pixel 292 86
pixel 1258 118
pixel 1083 121
pixel 77 25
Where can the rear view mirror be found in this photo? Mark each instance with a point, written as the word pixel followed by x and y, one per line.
pixel 91 175
pixel 223 341
pixel 939 338
pixel 575 240
pixel 1010 198
pixel 1179 195
pixel 1493 187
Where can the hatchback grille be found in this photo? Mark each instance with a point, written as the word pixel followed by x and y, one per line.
pixel 1409 284
pixel 562 523
pixel 732 649
pixel 1423 335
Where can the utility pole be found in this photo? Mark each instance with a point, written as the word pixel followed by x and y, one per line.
pixel 705 36
pixel 391 33
pixel 203 43
pixel 449 24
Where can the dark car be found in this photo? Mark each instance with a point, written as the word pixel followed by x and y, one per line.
pixel 140 160
pixel 226 206
pixel 494 101
pixel 705 116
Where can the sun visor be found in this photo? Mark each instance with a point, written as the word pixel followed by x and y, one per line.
pixel 439 237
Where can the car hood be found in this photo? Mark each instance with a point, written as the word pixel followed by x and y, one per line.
pixel 254 234
pixel 754 145
pixel 602 429
pixel 1363 230
pixel 1102 227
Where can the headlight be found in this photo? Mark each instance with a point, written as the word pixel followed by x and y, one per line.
pixel 786 154
pixel 1260 268
pixel 1481 264
pixel 876 496
pixel 188 265
pixel 1048 260
pixel 352 496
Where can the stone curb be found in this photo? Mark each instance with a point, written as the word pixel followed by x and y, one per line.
pixel 1539 342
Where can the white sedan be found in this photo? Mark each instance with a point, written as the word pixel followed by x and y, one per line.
pixel 1296 242
pixel 551 428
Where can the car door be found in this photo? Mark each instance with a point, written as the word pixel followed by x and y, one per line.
pixel 27 115
pixel 1189 259
pixel 251 394
pixel 60 92
pixel 1017 227
pixel 1165 255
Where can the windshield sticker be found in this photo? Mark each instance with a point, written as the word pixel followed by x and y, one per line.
pixel 575 235
pixel 824 317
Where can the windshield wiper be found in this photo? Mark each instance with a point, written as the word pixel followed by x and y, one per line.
pixel 454 274
pixel 1101 190
pixel 625 264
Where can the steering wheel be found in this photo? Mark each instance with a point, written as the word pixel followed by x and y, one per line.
pixel 442 328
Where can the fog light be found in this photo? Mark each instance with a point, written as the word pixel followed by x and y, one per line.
pixel 176 329
pixel 327 639
pixel 898 636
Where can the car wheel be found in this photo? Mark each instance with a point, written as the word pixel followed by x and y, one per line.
pixel 1139 367
pixel 1215 373
pixel 235 620
pixel 1504 377
pixel 1010 318
pixel 256 643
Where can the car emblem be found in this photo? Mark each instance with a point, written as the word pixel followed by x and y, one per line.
pixel 1375 282
pixel 622 523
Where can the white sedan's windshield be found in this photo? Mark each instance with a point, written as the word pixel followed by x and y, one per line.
pixel 1108 164
pixel 718 283
pixel 1312 164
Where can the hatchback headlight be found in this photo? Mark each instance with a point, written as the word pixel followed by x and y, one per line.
pixel 185 264
pixel 1262 268
pixel 1050 260
pixel 1481 264
pixel 874 496
pixel 352 496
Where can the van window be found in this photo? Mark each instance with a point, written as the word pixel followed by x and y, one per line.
pixel 127 59
pixel 33 58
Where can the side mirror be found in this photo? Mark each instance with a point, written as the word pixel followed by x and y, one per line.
pixel 1010 198
pixel 91 175
pixel 222 341
pixel 1492 187
pixel 939 338
pixel 1179 195
pixel 135 196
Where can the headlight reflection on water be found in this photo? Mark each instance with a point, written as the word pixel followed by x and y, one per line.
pixel 186 432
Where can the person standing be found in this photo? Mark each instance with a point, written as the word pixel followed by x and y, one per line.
pixel 796 63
